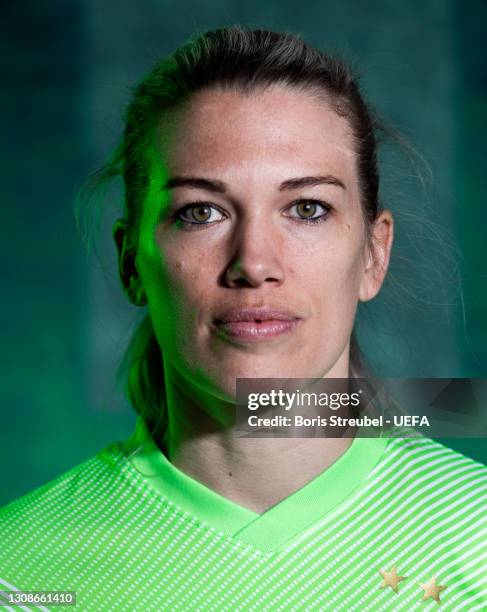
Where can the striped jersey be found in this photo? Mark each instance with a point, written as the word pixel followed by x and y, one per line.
pixel 393 524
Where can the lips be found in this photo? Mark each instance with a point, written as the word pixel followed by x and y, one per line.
pixel 255 315
pixel 256 324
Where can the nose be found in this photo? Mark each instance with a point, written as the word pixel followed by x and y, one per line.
pixel 256 257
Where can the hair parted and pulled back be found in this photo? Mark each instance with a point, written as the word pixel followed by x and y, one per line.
pixel 245 60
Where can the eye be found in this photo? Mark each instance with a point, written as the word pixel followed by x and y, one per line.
pixel 199 213
pixel 310 210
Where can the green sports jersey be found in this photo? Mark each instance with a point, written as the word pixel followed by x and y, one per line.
pixel 394 524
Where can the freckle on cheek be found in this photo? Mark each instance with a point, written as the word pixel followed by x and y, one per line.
pixel 179 266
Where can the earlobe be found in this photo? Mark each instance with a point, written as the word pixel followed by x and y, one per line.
pixel 136 293
pixel 378 254
pixel 129 275
pixel 366 289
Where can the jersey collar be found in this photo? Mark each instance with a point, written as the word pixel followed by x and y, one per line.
pixel 279 524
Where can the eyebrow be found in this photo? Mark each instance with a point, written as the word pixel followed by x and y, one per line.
pixel 220 187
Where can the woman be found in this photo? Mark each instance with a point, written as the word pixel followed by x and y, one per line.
pixel 251 232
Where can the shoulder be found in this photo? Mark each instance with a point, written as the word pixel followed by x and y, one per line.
pixel 426 455
pixel 426 473
pixel 50 535
pixel 62 499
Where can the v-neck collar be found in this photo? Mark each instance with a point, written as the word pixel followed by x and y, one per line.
pixel 277 525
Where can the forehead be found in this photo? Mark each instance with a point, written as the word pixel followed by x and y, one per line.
pixel 280 126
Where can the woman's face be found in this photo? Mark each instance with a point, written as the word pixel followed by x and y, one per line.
pixel 254 205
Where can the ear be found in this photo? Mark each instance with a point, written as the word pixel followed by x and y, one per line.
pixel 127 269
pixel 377 257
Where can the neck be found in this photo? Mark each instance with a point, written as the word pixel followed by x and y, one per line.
pixel 255 473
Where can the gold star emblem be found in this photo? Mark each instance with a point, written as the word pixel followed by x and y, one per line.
pixel 391 579
pixel 433 590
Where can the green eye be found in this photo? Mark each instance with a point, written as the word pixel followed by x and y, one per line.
pixel 200 213
pixel 313 211
pixel 306 209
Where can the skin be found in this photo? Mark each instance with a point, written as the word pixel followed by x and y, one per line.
pixel 254 250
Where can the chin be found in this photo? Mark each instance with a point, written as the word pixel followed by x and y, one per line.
pixel 226 382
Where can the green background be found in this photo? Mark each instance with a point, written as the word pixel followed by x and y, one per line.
pixel 67 70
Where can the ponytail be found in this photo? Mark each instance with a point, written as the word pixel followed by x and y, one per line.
pixel 142 367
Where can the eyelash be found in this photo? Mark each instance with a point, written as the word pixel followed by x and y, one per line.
pixel 314 221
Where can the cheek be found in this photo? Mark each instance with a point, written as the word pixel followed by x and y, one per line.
pixel 334 278
pixel 164 296
pixel 177 286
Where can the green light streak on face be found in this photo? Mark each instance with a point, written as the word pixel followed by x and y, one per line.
pixel 150 256
pixel 159 262
pixel 153 207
